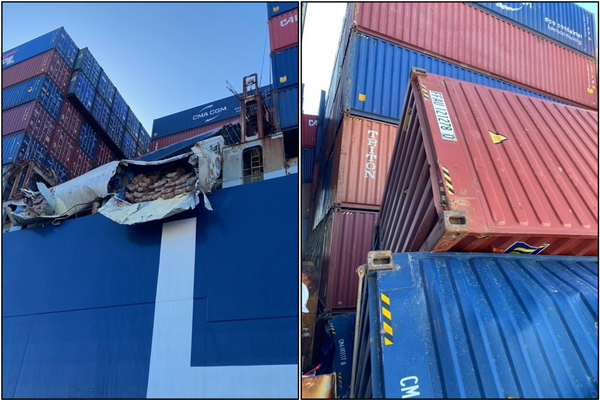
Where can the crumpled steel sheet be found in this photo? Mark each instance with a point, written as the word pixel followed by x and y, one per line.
pixel 319 387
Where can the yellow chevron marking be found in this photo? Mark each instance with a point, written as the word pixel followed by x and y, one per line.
pixel 386 313
pixel 387 342
pixel 496 138
pixel 385 299
pixel 388 329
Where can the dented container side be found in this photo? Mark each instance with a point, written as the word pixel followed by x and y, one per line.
pixel 500 171
pixel 484 43
pixel 484 325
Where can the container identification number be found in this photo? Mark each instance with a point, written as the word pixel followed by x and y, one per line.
pixel 442 116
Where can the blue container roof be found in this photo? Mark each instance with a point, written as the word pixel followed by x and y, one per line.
pixel 486 325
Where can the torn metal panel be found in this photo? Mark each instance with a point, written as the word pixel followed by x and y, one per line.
pixel 134 191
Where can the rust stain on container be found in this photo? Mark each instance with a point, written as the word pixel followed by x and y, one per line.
pixel 454 187
pixel 484 43
pixel 319 387
pixel 310 282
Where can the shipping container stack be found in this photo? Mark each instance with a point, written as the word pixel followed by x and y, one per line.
pixel 543 50
pixel 283 40
pixel 57 104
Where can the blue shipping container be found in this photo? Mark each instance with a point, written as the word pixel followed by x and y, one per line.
pixel 89 326
pixel 564 23
pixel 57 170
pixel 205 114
pixel 133 126
pixel 456 325
pixel 41 89
pixel 87 140
pixel 14 147
pixel 374 76
pixel 287 108
pixel 115 130
pixel 285 68
pixel 144 140
pixel 101 112
pixel 129 146
pixel 58 39
pixel 308 163
pixel 120 107
pixel 81 91
pixel 106 89
pixel 275 9
pixel 88 64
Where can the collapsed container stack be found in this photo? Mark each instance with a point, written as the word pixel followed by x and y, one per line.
pixel 379 45
pixel 61 115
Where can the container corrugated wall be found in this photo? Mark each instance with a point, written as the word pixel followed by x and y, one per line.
pixel 361 157
pixel 31 118
pixel 58 39
pixel 81 91
pixel 287 108
pixel 283 31
pixel 482 42
pixel 49 63
pixel 308 162
pixel 285 68
pixel 120 107
pixel 106 88
pixel 89 66
pixel 41 89
pixel 479 169
pixel 305 201
pixel 337 247
pixel 565 23
pixel 374 79
pixel 478 326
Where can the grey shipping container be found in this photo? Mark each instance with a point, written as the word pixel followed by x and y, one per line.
pixel 455 325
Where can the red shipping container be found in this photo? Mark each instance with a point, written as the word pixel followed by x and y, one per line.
pixel 467 36
pixel 283 31
pixel 80 164
pixel 49 63
pixel 358 166
pixel 62 147
pixel 70 119
pixel 337 247
pixel 179 137
pixel 33 119
pixel 103 155
pixel 309 130
pixel 482 170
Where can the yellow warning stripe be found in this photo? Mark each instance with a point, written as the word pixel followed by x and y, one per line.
pixel 448 180
pixel 386 313
pixel 425 92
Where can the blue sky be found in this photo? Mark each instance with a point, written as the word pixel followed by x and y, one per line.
pixel 162 57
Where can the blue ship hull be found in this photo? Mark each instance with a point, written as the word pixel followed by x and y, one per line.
pixel 202 304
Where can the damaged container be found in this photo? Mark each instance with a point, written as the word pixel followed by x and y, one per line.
pixel 106 89
pixel 21 146
pixel 49 63
pixel 144 141
pixel 40 89
pixel 89 66
pixel 467 325
pixel 481 42
pixel 81 92
pixel 337 246
pixel 115 130
pixel 120 107
pixel 129 146
pixel 477 169
pixel 283 31
pixel 57 39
